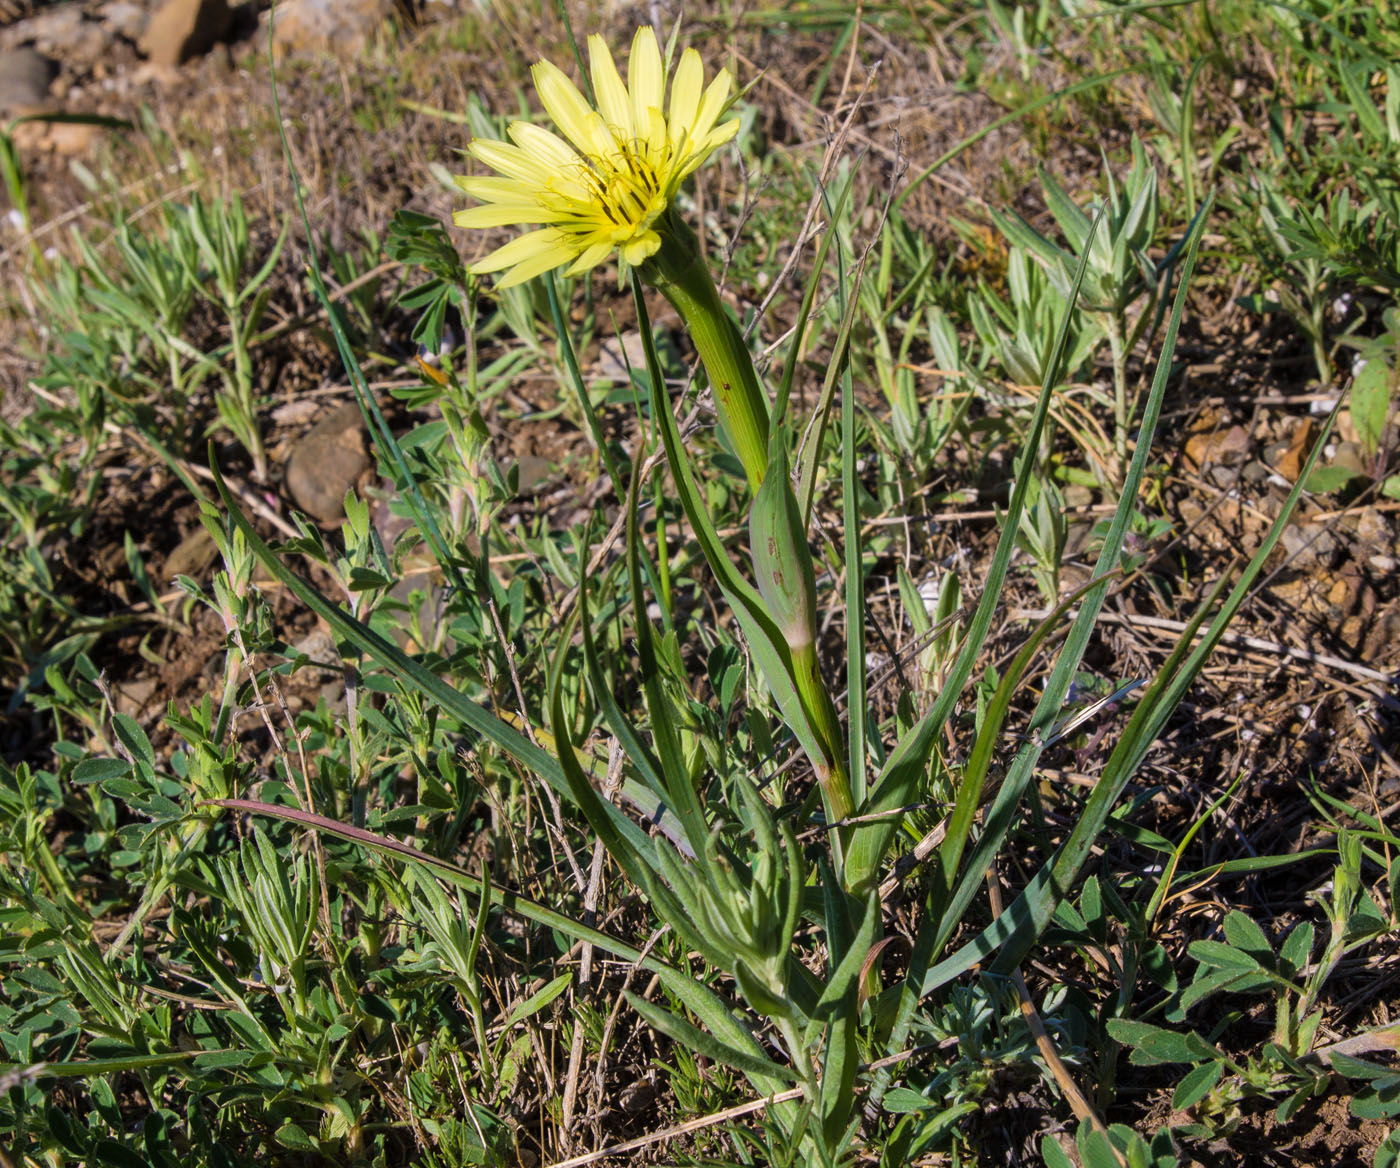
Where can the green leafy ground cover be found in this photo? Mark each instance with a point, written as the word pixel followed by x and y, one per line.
pixel 340 842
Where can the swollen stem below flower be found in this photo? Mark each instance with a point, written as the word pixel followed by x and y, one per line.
pixel 680 274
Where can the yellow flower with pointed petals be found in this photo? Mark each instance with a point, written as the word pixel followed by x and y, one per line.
pixel 607 183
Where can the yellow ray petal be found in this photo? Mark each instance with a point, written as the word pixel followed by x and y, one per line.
pixel 685 95
pixel 523 247
pixel 546 260
pixel 613 103
pixel 591 257
pixel 641 248
pixel 508 160
pixel 712 105
pixel 655 143
pixel 507 215
pixel 549 149
pixel 578 121
pixel 646 78
pixel 491 189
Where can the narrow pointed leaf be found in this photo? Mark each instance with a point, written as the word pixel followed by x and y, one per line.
pixel 695 1039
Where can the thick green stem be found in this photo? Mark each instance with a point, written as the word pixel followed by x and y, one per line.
pixel 681 275
pixel 1120 392
pixel 821 711
pixel 679 272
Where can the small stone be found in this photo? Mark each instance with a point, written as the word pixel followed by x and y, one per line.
pixel 297 412
pixel 1382 639
pixel 1227 447
pixel 617 354
pixel 25 75
pixel 328 462
pixel 70 138
pixel 192 556
pixel 1348 456
pixel 181 29
pixel 50 28
pixel 341 28
pixel 1289 462
pixel 318 646
pixel 1307 543
pixel 125 19
pixel 62 31
pixel 1077 496
pixel 333 694
pixel 534 473
pixel 134 695
pixel 1372 529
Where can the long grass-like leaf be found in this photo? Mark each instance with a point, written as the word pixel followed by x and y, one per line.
pixel 120 1064
pixel 905 767
pixel 839 1006
pixel 970 786
pixel 414 675
pixel 1016 930
pixel 1019 774
pixel 755 1066
pixel 675 780
pixel 766 643
pixel 379 428
pixel 809 296
pixel 712 1010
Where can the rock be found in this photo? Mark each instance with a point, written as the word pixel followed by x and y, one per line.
pixel 616 354
pixel 318 646
pixel 1227 447
pixel 1373 531
pixel 1306 544
pixel 70 138
pixel 1289 462
pixel 1379 646
pixel 133 696
pixel 329 461
pixel 124 18
pixel 181 29
pixel 297 412
pixel 62 31
pixel 192 557
pixel 341 28
pixel 1341 593
pixel 1349 456
pixel 25 75
pixel 1077 496
pixel 333 694
pixel 534 472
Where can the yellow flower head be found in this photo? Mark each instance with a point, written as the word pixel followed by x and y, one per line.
pixel 607 186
